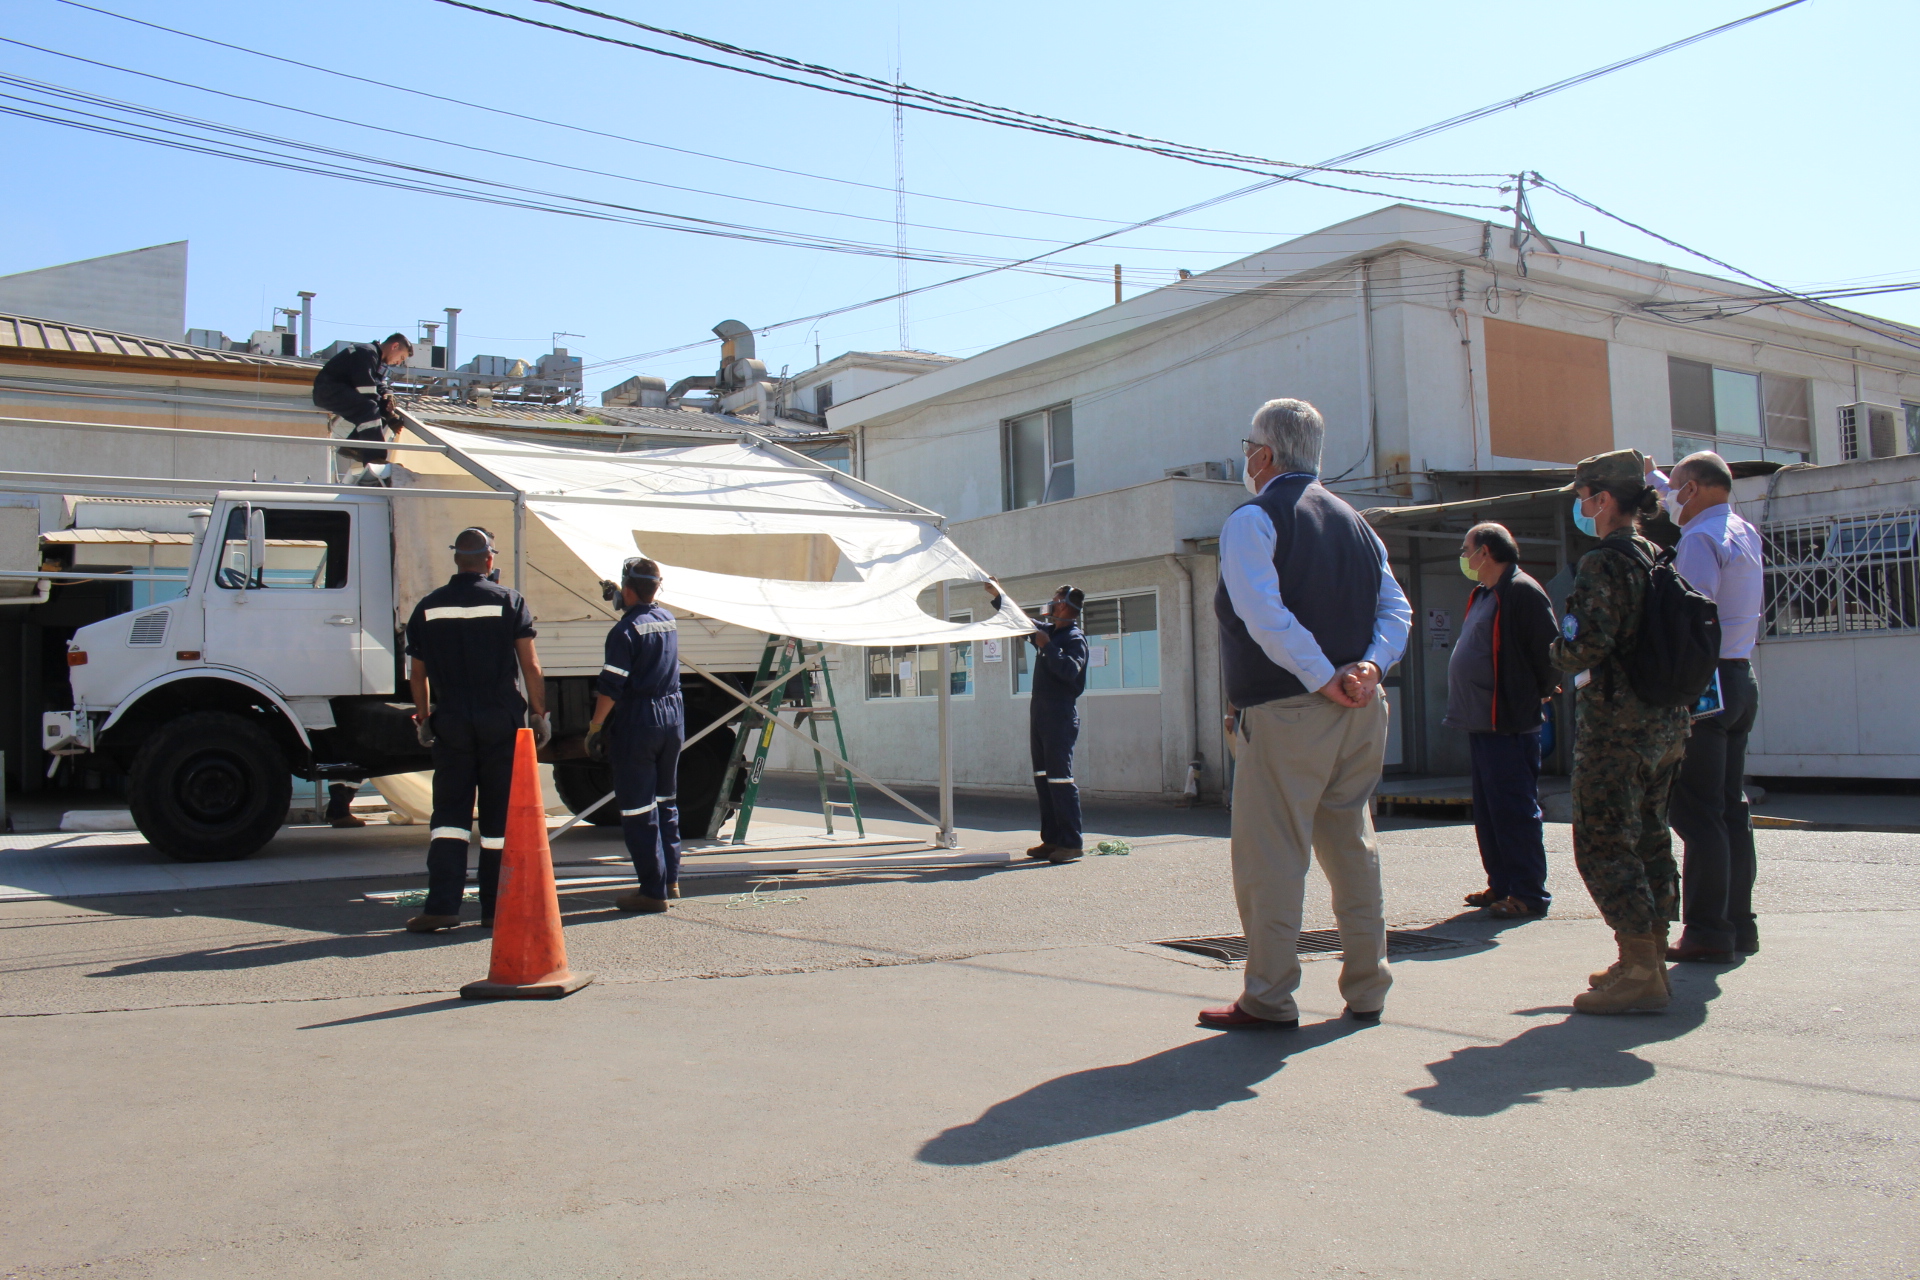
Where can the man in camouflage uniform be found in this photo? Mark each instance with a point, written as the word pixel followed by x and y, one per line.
pixel 1626 752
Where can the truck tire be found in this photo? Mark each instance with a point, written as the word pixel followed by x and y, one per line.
pixel 580 783
pixel 209 787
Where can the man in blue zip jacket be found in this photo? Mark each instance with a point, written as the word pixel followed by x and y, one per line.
pixel 1059 678
pixel 639 722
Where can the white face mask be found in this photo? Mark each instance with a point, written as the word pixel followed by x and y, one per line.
pixel 1246 475
pixel 1673 504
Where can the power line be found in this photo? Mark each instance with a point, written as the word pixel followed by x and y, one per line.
pixel 1427 131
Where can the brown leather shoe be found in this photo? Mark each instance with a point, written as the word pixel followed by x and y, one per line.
pixel 1484 898
pixel 1040 851
pixel 1234 1018
pixel 1057 854
pixel 346 820
pixel 1511 908
pixel 432 924
pixel 641 903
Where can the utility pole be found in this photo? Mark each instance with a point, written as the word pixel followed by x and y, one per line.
pixel 900 197
pixel 1116 284
pixel 306 322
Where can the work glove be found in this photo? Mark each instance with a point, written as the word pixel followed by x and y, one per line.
pixel 423 730
pixel 597 743
pixel 542 730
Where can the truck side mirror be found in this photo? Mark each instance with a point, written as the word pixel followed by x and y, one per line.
pixel 256 547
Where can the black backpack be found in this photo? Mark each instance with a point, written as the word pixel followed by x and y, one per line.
pixel 1678 648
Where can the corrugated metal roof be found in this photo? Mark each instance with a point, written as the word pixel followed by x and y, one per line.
pixel 52 335
pixel 141 537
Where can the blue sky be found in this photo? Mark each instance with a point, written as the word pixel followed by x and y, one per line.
pixel 1782 148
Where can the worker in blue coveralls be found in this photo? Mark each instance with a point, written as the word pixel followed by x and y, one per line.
pixel 1059 678
pixel 639 722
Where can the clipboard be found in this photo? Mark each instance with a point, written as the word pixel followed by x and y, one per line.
pixel 1712 702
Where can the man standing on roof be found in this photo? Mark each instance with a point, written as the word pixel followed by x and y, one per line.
pixel 1059 678
pixel 352 386
pixel 467 641
pixel 639 722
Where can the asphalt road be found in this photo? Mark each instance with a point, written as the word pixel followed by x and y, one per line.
pixel 978 1072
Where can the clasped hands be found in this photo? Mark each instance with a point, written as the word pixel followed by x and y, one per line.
pixel 1353 685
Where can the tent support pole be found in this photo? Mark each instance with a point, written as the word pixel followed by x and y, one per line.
pixel 520 542
pixel 946 839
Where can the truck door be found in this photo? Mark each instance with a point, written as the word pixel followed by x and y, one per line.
pixel 375 558
pixel 294 619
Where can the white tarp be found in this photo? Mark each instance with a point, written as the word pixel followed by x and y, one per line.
pixel 872 598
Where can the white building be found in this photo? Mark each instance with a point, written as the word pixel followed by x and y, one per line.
pixel 809 394
pixel 1451 362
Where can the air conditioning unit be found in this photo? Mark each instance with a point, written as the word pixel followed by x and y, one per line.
pixel 1870 431
pixel 1205 471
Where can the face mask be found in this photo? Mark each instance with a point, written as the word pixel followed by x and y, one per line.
pixel 1582 521
pixel 1246 478
pixel 1674 505
pixel 1466 568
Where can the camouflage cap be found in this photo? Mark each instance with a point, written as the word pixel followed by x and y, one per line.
pixel 1621 469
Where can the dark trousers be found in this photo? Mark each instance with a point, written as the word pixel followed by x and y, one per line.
pixel 646 766
pixel 1506 815
pixel 1052 733
pixel 472 751
pixel 1709 810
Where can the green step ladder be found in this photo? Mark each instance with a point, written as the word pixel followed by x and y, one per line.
pixel 805 690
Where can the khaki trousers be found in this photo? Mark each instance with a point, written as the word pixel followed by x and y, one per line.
pixel 1305 768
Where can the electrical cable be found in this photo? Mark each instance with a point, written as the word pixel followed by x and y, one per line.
pixel 1427 131
pixel 616 137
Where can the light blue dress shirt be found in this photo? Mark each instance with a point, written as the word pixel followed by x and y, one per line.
pixel 1253 585
pixel 1719 553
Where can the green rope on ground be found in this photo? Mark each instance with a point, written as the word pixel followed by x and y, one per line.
pixel 1119 848
pixel 418 897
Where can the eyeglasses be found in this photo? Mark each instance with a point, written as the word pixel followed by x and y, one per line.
pixel 1248 446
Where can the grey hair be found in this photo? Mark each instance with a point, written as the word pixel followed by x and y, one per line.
pixel 1294 430
pixel 1706 469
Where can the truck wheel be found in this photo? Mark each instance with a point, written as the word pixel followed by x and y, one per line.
pixel 701 771
pixel 580 783
pixel 209 787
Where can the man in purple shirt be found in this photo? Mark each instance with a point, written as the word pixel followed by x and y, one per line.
pixel 1719 553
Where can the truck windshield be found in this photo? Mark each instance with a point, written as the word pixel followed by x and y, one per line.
pixel 305 550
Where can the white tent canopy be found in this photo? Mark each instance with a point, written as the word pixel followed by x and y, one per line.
pixel 738 529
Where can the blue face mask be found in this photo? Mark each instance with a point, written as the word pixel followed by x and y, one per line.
pixel 1582 521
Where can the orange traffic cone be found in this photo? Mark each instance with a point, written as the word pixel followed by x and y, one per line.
pixel 529 955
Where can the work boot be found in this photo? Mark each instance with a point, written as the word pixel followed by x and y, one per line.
pixel 1639 987
pixel 1746 940
pixel 640 902
pixel 432 924
pixel 346 820
pixel 1056 854
pixel 1040 851
pixel 1612 971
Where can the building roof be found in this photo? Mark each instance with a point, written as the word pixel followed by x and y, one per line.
pixel 53 335
pixel 601 420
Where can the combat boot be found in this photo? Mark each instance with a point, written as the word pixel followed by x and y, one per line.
pixel 1639 987
pixel 1612 971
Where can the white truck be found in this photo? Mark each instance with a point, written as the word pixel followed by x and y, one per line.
pixel 281 659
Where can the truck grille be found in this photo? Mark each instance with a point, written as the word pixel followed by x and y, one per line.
pixel 149 628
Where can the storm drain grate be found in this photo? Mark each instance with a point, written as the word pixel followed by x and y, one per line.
pixel 1312 941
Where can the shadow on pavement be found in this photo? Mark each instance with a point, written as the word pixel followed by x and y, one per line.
pixel 431 1006
pixel 1580 1051
pixel 1203 1075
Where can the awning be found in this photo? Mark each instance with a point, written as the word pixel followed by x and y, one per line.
pixel 747 535
pixel 1387 519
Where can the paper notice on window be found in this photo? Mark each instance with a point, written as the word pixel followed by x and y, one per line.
pixel 906 672
pixel 1097 655
pixel 990 651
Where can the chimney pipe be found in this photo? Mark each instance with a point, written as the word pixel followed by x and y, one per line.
pixel 306 323
pixel 453 347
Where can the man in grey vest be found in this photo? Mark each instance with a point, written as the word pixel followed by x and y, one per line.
pixel 1310 620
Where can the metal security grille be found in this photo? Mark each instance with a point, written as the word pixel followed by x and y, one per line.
pixel 1312 941
pixel 1840 575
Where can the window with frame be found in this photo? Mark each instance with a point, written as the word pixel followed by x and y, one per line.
pixel 1911 412
pixel 1123 644
pixel 823 398
pixel 305 550
pixel 1037 457
pixel 913 670
pixel 1843 575
pixel 1739 415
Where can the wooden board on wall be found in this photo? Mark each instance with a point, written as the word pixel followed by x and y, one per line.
pixel 1548 396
